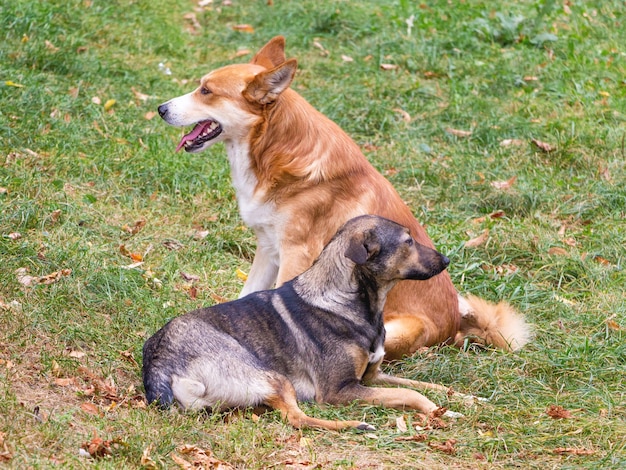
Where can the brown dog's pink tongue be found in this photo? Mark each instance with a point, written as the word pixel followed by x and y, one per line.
pixel 191 136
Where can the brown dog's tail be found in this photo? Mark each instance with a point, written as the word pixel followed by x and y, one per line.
pixel 490 324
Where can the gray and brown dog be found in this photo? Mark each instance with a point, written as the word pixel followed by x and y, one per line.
pixel 318 337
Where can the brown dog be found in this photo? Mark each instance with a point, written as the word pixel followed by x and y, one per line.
pixel 317 337
pixel 299 177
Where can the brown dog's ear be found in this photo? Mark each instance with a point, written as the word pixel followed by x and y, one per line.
pixel 361 249
pixel 272 54
pixel 266 86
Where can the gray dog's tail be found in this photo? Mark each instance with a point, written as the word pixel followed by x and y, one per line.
pixel 158 388
pixel 156 379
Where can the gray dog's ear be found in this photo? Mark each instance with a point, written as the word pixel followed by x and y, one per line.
pixel 361 249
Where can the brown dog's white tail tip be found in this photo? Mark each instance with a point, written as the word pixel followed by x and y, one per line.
pixel 490 324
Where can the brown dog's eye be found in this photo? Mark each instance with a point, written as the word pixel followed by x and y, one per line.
pixel 204 91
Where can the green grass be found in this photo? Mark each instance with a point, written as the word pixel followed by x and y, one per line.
pixel 77 177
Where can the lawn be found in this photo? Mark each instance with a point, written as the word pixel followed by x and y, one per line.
pixel 501 124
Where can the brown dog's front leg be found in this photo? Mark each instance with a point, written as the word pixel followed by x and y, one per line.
pixel 262 274
pixel 385 379
pixel 373 376
pixel 398 398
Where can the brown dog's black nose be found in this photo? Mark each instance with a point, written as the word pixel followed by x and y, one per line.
pixel 162 111
pixel 445 260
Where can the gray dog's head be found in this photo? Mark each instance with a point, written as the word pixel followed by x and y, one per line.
pixel 386 251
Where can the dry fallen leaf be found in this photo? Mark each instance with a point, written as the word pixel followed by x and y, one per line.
pixel 65 382
pixel 242 275
pixel 479 240
pixel 194 25
pixel 149 115
pixel 447 447
pixel 105 388
pixel 613 325
pixel 14 236
pixel 90 408
pixel 23 278
pixel 570 241
pixel 244 28
pixel 109 104
pixel 173 244
pixel 125 251
pixel 574 451
pixel 319 46
pixel 218 298
pixel 389 66
pixel 406 117
pixel 54 216
pixel 135 228
pixel 189 277
pixel 76 354
pixel 543 146
pixel 201 459
pixel 182 463
pixel 512 142
pixel 139 95
pixel 242 52
pixel 27 280
pixel 558 412
pixel 200 234
pixel 346 58
pixel 146 461
pixel 51 47
pixel 193 292
pixel 97 447
pixel 557 251
pixel 431 74
pixel 414 438
pixel 458 132
pixel 128 355
pixel 14 305
pixel 506 269
pixel 602 260
pixel 132 265
pixel 504 184
pixel 5 454
pixel 401 424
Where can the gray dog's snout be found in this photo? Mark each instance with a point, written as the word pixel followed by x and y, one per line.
pixel 162 110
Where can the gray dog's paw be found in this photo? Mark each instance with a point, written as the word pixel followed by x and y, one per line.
pixel 453 414
pixel 366 427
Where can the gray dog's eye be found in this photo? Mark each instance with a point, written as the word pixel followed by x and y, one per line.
pixel 409 242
